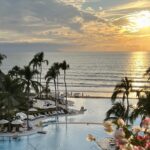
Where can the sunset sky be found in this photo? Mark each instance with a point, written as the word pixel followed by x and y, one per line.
pixel 75 25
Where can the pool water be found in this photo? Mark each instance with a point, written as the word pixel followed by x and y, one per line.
pixel 70 136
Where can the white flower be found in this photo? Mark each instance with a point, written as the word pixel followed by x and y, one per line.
pixel 136 129
pixel 109 129
pixel 129 147
pixel 107 124
pixel 148 131
pixel 90 138
pixel 120 122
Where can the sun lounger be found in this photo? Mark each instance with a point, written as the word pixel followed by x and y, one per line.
pixel 55 112
pixel 46 114
pixel 5 130
pixel 49 113
pixel 13 130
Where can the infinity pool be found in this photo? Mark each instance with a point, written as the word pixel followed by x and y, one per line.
pixel 67 137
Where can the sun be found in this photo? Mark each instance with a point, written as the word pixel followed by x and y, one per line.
pixel 138 21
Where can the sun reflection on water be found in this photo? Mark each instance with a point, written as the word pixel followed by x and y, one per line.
pixel 138 61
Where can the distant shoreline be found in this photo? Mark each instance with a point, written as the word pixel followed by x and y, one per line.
pixel 95 97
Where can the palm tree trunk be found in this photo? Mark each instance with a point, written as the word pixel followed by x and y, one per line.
pixel 40 78
pixel 36 75
pixel 57 88
pixel 65 89
pixel 55 93
pixel 56 102
pixel 9 117
pixel 127 113
pixel 28 92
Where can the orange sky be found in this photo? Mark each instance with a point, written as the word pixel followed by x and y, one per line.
pixel 77 25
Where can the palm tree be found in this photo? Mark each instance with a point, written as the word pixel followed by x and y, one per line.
pixel 28 83
pixel 2 57
pixel 147 73
pixel 117 110
pixel 15 72
pixel 39 58
pixel 11 96
pixel 57 68
pixel 35 63
pixel 52 74
pixel 124 88
pixel 64 66
pixel 143 106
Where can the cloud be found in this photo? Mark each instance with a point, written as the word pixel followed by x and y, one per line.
pixel 84 24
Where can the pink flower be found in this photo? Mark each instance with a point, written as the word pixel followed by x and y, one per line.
pixel 119 134
pixel 140 138
pixel 146 123
pixel 147 146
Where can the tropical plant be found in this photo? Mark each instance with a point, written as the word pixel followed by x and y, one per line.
pixel 28 83
pixel 147 73
pixel 57 68
pixel 143 106
pixel 52 74
pixel 11 96
pixel 2 57
pixel 117 110
pixel 35 63
pixel 15 72
pixel 41 60
pixel 64 66
pixel 124 88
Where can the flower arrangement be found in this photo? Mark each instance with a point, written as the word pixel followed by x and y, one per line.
pixel 127 138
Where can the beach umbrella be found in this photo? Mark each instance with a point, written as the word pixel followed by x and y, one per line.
pixel 21 115
pixel 3 121
pixel 52 106
pixel 48 107
pixel 17 122
pixel 32 110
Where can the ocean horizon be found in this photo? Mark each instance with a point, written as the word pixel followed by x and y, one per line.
pixel 93 73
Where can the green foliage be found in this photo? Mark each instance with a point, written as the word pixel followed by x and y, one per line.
pixel 11 96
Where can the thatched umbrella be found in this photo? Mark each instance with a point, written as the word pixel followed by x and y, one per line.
pixel 33 110
pixel 17 122
pixel 21 115
pixel 4 121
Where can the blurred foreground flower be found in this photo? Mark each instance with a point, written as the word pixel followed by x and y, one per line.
pixel 120 122
pixel 108 126
pixel 146 123
pixel 137 129
pixel 90 138
pixel 126 137
pixel 119 134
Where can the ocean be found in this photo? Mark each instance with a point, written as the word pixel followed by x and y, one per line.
pixel 90 73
